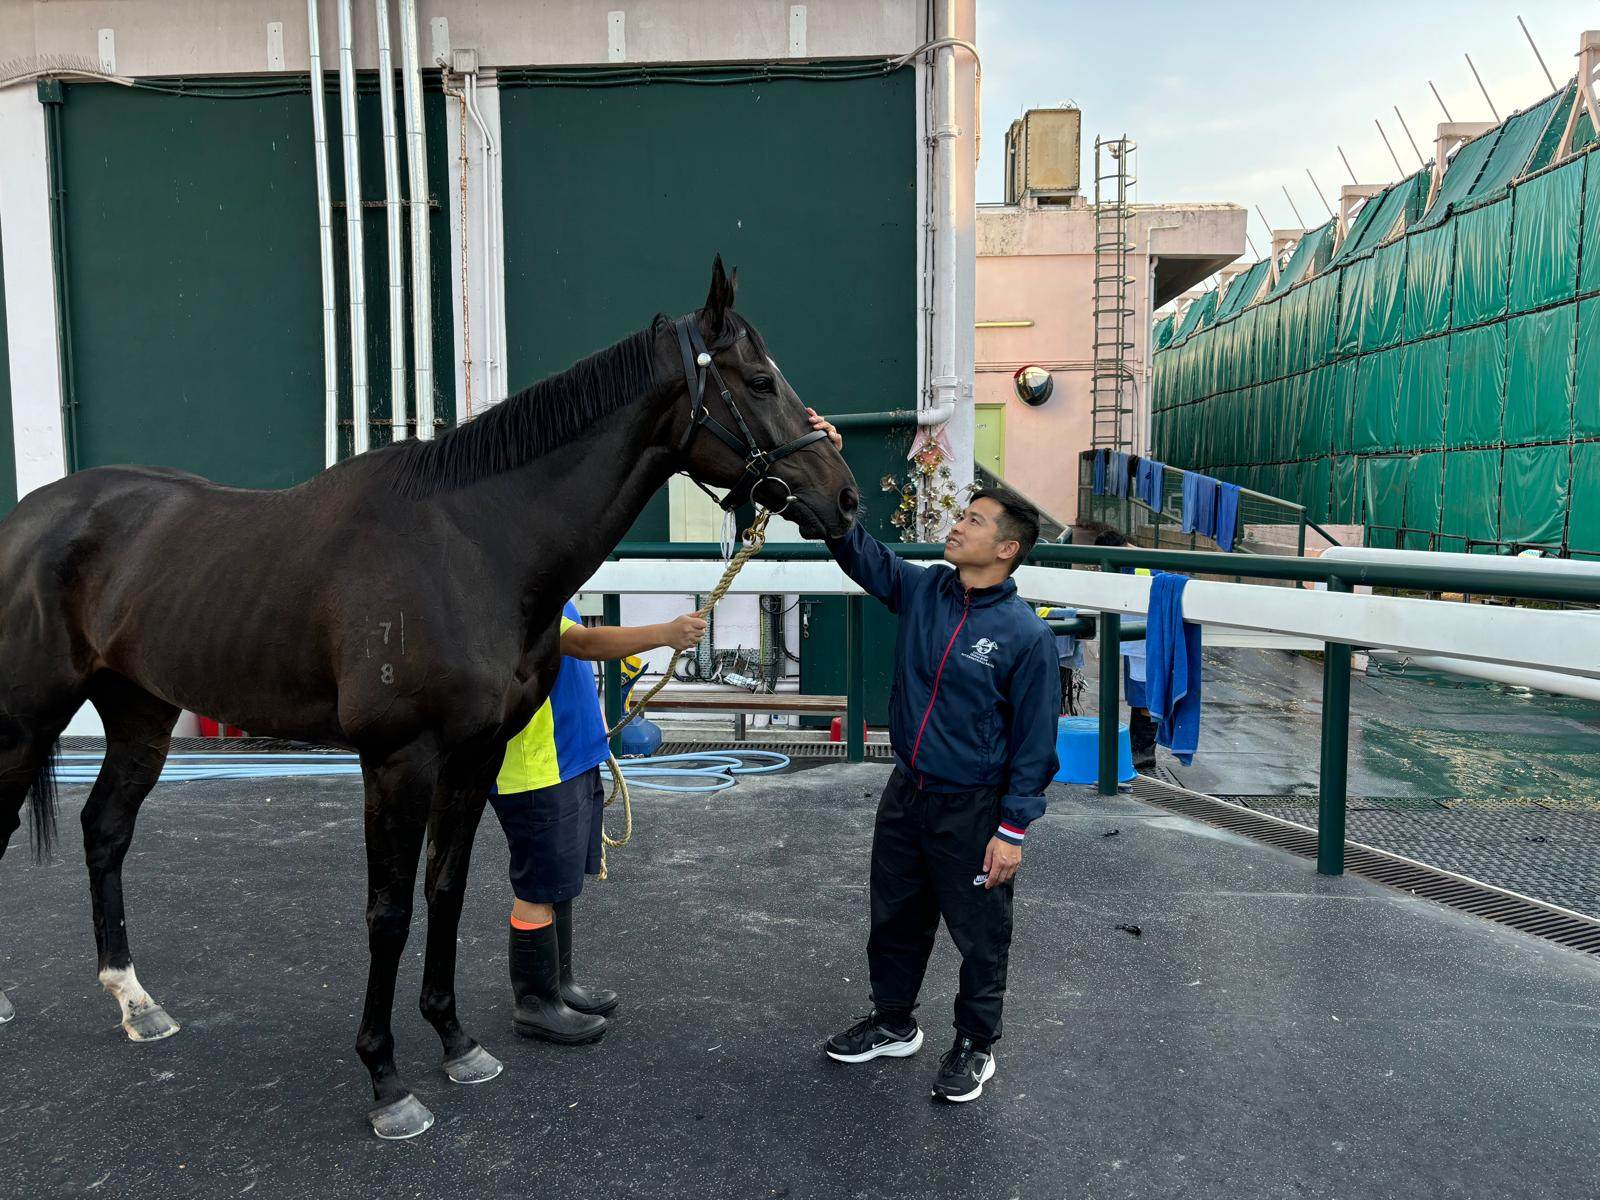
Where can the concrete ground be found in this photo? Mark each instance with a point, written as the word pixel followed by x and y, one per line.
pixel 1270 1033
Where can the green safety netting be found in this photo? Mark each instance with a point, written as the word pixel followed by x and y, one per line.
pixel 1472 494
pixel 1245 289
pixel 1508 160
pixel 1460 174
pixel 1429 257
pixel 1311 254
pixel 1544 252
pixel 1419 422
pixel 1384 215
pixel 1545 152
pixel 1583 522
pixel 1483 244
pixel 1376 398
pixel 1423 498
pixel 1586 397
pixel 1198 311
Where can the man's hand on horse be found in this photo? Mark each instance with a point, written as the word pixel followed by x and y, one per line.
pixel 685 631
pixel 1000 862
pixel 822 423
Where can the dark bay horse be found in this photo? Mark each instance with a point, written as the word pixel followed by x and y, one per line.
pixel 401 604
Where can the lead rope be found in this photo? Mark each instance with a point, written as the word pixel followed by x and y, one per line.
pixel 754 539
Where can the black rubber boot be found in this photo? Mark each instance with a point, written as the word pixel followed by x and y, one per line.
pixel 536 984
pixel 1142 740
pixel 601 1002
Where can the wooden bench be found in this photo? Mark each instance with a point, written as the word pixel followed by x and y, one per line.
pixel 742 704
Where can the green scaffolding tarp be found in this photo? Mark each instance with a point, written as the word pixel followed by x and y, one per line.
pixel 1433 359
pixel 1310 255
pixel 1539 376
pixel 1245 288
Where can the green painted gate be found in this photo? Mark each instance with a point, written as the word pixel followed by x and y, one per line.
pixel 193 281
pixel 620 186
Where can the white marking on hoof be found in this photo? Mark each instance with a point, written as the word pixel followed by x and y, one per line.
pixel 142 1018
pixel 475 1066
pixel 405 1118
pixel 6 1010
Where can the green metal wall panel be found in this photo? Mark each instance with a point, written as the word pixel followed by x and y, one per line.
pixel 1533 503
pixel 1477 387
pixel 1539 377
pixel 1483 242
pixel 195 281
pixel 1429 256
pixel 1544 238
pixel 8 450
pixel 612 215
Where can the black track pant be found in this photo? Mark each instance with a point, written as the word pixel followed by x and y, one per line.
pixel 927 848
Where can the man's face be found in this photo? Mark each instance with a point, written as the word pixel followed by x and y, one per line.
pixel 975 539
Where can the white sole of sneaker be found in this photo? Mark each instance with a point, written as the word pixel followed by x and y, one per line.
pixel 988 1074
pixel 887 1050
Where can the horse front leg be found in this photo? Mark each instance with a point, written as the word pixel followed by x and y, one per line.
pixel 452 826
pixel 399 793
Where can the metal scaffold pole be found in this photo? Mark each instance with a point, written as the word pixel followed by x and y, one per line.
pixel 1112 382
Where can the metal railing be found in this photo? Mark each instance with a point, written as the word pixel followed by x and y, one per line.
pixel 1267 524
pixel 1336 576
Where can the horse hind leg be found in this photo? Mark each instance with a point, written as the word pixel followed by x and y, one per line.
pixel 27 754
pixel 138 736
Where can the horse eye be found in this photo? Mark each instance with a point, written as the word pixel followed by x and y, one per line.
pixel 761 383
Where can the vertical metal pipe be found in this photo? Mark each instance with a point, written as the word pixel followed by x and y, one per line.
pixel 421 261
pixel 494 387
pixel 330 315
pixel 855 703
pixel 392 210
pixel 611 669
pixel 355 255
pixel 1335 751
pixel 1110 698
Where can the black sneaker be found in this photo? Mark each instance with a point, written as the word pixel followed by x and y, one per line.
pixel 963 1071
pixel 870 1038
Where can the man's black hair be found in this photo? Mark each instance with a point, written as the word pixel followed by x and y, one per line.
pixel 1019 520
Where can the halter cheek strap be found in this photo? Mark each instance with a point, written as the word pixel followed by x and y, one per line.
pixel 699 365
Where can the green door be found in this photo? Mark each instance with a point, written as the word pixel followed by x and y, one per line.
pixel 194 276
pixel 989 437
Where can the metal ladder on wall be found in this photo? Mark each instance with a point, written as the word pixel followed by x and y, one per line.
pixel 1112 382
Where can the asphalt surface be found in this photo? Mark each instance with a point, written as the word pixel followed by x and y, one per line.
pixel 1269 1033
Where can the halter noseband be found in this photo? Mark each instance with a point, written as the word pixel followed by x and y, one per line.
pixel 698 363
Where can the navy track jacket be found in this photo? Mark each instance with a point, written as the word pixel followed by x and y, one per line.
pixel 976 683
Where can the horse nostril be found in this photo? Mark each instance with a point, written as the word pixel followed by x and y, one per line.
pixel 849 501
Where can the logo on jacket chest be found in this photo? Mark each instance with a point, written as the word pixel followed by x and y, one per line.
pixel 981 650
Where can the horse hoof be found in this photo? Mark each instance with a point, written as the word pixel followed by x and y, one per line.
pixel 151 1025
pixel 6 1011
pixel 475 1066
pixel 404 1118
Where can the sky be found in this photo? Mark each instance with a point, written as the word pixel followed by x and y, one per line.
pixel 1233 101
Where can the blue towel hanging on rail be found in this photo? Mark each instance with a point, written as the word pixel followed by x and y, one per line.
pixel 1227 515
pixel 1099 472
pixel 1172 668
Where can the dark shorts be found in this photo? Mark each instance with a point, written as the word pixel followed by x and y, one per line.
pixel 555 837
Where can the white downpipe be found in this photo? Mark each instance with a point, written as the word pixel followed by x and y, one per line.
pixel 355 257
pixel 330 315
pixel 945 384
pixel 421 264
pixel 392 210
pixel 1557 682
pixel 494 382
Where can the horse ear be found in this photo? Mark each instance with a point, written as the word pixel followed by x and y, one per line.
pixel 719 300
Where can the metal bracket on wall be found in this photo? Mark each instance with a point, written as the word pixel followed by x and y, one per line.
pixel 274 45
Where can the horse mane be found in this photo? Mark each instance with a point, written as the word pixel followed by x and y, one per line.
pixel 530 423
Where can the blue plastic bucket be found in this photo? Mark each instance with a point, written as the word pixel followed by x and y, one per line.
pixel 1078 749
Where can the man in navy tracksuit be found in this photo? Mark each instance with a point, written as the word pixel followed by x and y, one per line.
pixel 973 723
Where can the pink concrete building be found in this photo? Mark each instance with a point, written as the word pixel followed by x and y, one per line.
pixel 1036 306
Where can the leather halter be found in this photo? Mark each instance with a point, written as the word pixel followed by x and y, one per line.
pixel 698 364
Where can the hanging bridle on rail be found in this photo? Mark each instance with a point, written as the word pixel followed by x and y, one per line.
pixel 697 365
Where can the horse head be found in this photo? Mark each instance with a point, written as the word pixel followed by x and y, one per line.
pixel 740 426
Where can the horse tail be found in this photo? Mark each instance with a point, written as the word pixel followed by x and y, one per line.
pixel 42 805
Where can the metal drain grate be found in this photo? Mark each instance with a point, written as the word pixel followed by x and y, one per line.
pixel 1547 921
pixel 876 751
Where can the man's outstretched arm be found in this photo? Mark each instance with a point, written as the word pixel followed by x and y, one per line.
pixel 879 570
